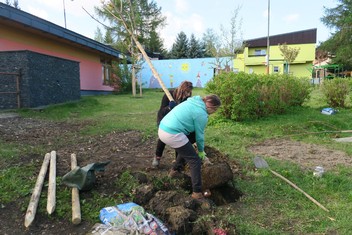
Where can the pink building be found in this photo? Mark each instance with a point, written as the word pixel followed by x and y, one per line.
pixel 20 31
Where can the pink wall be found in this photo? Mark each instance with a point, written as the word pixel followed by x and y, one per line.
pixel 90 66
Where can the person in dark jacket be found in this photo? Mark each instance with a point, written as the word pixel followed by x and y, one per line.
pixel 180 94
pixel 187 117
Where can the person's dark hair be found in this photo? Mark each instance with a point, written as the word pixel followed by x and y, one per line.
pixel 183 91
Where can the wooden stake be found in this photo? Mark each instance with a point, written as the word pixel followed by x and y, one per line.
pixel 33 203
pixel 76 208
pixel 51 204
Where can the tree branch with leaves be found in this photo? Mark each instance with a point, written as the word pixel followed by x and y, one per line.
pixel 289 54
pixel 125 14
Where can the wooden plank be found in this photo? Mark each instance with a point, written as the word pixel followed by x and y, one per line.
pixel 51 204
pixel 33 203
pixel 76 207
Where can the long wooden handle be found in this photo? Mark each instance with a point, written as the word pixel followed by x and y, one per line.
pixel 76 207
pixel 33 203
pixel 51 203
pixel 296 187
pixel 155 73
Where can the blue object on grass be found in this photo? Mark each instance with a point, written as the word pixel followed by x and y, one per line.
pixel 328 111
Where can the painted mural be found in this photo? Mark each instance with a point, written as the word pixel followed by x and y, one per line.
pixel 173 72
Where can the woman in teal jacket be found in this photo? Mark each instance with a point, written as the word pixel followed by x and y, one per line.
pixel 187 117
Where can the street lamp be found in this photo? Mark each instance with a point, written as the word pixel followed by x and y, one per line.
pixel 63 1
pixel 268 41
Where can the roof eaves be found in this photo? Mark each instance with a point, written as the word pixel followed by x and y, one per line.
pixel 299 37
pixel 10 13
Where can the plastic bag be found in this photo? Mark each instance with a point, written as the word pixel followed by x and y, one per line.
pixel 83 178
pixel 328 111
pixel 132 217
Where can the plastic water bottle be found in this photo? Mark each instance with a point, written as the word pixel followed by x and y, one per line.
pixel 318 171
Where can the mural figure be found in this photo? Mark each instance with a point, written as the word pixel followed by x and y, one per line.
pixel 199 82
pixel 171 80
pixel 153 82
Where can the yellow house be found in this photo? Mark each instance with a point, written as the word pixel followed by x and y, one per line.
pixel 253 58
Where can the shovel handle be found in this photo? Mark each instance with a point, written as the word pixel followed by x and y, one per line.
pixel 296 187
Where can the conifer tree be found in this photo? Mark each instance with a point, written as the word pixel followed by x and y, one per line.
pixel 339 44
pixel 195 50
pixel 180 47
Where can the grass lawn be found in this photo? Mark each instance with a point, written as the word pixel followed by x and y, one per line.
pixel 268 205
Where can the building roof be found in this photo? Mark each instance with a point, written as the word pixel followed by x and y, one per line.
pixel 20 19
pixel 298 37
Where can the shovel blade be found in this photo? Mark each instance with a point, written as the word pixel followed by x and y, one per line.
pixel 260 162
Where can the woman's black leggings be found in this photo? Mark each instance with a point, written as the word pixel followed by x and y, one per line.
pixel 188 154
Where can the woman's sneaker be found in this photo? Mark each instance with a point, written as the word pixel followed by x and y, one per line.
pixel 203 202
pixel 197 196
pixel 156 162
pixel 175 174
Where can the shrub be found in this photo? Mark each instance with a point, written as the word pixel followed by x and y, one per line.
pixel 251 96
pixel 336 91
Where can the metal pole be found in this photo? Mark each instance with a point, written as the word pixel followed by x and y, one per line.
pixel 18 89
pixel 268 41
pixel 63 1
pixel 133 70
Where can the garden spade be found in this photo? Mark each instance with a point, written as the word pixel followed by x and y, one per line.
pixel 261 163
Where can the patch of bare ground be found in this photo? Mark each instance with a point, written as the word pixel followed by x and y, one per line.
pixel 308 156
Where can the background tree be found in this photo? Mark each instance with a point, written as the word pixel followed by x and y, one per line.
pixel 289 54
pixel 155 45
pixel 121 77
pixel 195 48
pixel 142 17
pixel 108 39
pixel 98 35
pixel 211 43
pixel 232 38
pixel 14 3
pixel 339 44
pixel 180 47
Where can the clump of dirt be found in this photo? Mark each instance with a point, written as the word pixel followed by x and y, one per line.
pixel 126 151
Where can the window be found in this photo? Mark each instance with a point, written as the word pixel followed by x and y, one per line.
pixel 276 69
pixel 259 52
pixel 106 72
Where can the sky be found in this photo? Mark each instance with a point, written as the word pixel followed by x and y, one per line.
pixel 196 16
